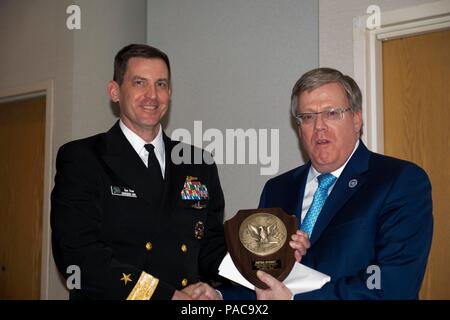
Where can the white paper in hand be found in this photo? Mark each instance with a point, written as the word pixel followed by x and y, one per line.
pixel 301 278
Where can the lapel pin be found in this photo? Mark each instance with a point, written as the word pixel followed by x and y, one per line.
pixel 353 183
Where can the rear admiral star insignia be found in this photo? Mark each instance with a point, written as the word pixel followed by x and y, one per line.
pixel 126 278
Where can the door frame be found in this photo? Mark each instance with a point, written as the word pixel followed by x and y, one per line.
pixel 368 58
pixel 37 89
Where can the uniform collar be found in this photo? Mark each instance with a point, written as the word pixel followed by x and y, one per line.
pixel 138 143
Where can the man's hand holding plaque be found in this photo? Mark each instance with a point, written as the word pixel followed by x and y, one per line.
pixel 258 239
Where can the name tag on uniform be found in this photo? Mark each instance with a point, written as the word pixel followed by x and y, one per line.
pixel 123 192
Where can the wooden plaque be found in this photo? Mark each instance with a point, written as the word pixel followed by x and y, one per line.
pixel 258 239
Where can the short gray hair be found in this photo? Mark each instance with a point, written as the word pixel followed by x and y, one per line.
pixel 318 77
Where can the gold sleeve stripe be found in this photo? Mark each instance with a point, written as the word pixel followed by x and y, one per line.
pixel 144 288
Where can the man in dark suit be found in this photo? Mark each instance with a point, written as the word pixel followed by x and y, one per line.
pixel 136 224
pixel 368 217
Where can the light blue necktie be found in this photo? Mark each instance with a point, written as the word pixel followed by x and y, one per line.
pixel 321 194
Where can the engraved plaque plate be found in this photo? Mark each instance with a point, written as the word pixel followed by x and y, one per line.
pixel 258 239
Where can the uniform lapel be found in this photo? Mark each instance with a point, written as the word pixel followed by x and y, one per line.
pixel 349 182
pixel 169 173
pixel 123 160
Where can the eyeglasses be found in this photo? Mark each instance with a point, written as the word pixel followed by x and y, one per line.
pixel 332 114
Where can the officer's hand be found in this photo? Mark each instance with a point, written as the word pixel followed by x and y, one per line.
pixel 179 295
pixel 277 290
pixel 202 291
pixel 300 243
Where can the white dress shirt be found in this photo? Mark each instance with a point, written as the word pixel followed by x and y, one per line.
pixel 138 145
pixel 312 183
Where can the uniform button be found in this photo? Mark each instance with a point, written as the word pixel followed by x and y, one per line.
pixel 183 247
pixel 148 246
pixel 184 282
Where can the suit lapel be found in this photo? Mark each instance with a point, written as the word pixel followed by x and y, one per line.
pixel 299 192
pixel 123 160
pixel 349 182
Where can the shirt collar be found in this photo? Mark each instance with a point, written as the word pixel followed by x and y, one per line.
pixel 138 143
pixel 313 173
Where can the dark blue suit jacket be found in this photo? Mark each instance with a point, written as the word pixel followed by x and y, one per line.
pixel 385 220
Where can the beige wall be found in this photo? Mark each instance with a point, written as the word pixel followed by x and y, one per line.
pixel 234 65
pixel 107 26
pixel 336 28
pixel 36 46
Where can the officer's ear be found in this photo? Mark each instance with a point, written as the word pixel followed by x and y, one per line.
pixel 114 91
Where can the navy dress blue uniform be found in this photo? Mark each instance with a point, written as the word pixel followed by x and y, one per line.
pixel 127 242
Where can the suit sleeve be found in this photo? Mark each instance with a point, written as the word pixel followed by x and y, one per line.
pixel 402 244
pixel 213 245
pixel 76 219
